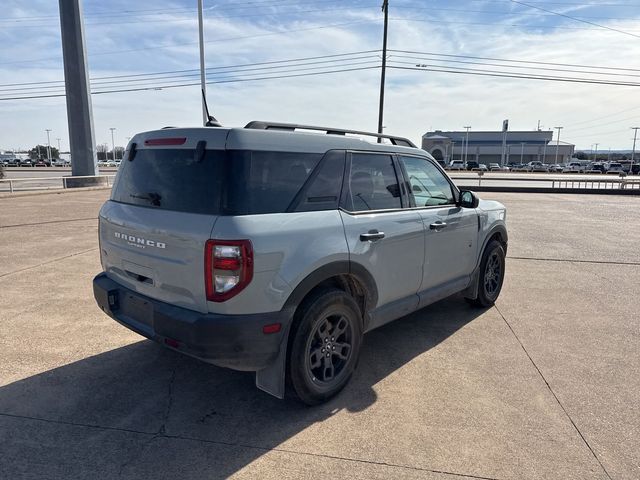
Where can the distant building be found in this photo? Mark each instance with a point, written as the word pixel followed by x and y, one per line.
pixel 486 147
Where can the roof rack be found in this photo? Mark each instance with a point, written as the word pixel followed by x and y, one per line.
pixel 291 127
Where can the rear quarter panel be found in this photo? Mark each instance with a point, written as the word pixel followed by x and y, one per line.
pixel 287 248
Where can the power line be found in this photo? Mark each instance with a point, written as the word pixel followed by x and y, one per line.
pixel 161 87
pixel 510 60
pixel 516 25
pixel 575 18
pixel 467 62
pixel 193 72
pixel 493 73
pixel 159 47
pixel 181 78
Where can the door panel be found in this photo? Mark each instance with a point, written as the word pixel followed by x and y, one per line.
pixel 451 232
pixel 382 237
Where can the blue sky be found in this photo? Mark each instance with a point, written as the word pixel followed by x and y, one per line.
pixel 146 37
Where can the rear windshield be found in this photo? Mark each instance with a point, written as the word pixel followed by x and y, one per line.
pixel 222 182
pixel 171 179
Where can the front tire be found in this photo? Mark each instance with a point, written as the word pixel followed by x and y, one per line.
pixel 491 276
pixel 325 345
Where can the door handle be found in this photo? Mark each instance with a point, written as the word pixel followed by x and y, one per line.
pixel 371 235
pixel 437 226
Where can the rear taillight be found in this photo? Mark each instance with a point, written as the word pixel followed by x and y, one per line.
pixel 228 268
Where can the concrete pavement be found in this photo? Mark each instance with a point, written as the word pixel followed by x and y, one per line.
pixel 546 385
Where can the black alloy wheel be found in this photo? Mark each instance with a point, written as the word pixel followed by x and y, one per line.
pixel 324 345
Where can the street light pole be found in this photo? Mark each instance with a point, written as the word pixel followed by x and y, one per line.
pixel 557 143
pixel 633 151
pixel 466 145
pixel 48 146
pixel 595 155
pixel 113 145
pixel 522 152
pixel 58 146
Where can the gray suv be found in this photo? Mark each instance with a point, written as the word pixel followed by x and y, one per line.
pixel 273 248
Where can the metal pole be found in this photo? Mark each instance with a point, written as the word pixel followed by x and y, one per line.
pixel 58 146
pixel 113 145
pixel 544 153
pixel 76 76
pixel 203 78
pixel 633 151
pixel 595 155
pixel 522 152
pixel 557 142
pixel 48 145
pixel 385 9
pixel 466 147
pixel 453 144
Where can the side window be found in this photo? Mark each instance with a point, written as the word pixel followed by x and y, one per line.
pixel 373 184
pixel 428 185
pixel 326 183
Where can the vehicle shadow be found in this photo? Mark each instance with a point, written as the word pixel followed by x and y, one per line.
pixel 145 388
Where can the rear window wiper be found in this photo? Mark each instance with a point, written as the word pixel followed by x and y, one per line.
pixel 153 197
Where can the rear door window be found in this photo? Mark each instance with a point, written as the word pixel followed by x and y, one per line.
pixel 372 184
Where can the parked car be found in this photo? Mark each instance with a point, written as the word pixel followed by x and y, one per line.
pixel 272 250
pixel 555 168
pixel 456 165
pixel 472 164
pixel 40 163
pixel 26 163
pixel 13 162
pixel 615 168
pixel 494 167
pixel 480 168
pixel 536 166
pixel 573 167
pixel 596 168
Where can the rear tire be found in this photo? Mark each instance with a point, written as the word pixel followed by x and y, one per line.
pixel 325 345
pixel 491 276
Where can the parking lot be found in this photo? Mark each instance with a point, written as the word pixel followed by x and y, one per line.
pixel 544 385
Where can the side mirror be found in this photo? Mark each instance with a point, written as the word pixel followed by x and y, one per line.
pixel 468 199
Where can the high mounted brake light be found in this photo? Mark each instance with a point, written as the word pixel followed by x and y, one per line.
pixel 154 142
pixel 228 268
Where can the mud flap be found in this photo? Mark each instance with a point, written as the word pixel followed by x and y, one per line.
pixel 472 290
pixel 272 378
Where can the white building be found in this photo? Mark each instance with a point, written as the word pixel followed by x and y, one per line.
pixel 486 147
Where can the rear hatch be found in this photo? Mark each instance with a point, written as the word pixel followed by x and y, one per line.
pixel 164 204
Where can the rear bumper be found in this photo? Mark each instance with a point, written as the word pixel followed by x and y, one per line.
pixel 232 341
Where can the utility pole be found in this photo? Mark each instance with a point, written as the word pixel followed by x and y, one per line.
pixel 633 151
pixel 595 155
pixel 48 130
pixel 203 77
pixel 522 152
pixel 466 145
pixel 113 145
pixel 453 144
pixel 58 146
pixel 385 9
pixel 609 155
pixel 77 89
pixel 544 152
pixel 557 142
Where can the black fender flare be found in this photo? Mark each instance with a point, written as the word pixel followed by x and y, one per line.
pixel 472 290
pixel 272 379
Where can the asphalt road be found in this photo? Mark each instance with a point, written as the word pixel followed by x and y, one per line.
pixel 544 385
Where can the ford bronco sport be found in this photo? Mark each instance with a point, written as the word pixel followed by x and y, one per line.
pixel 273 248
